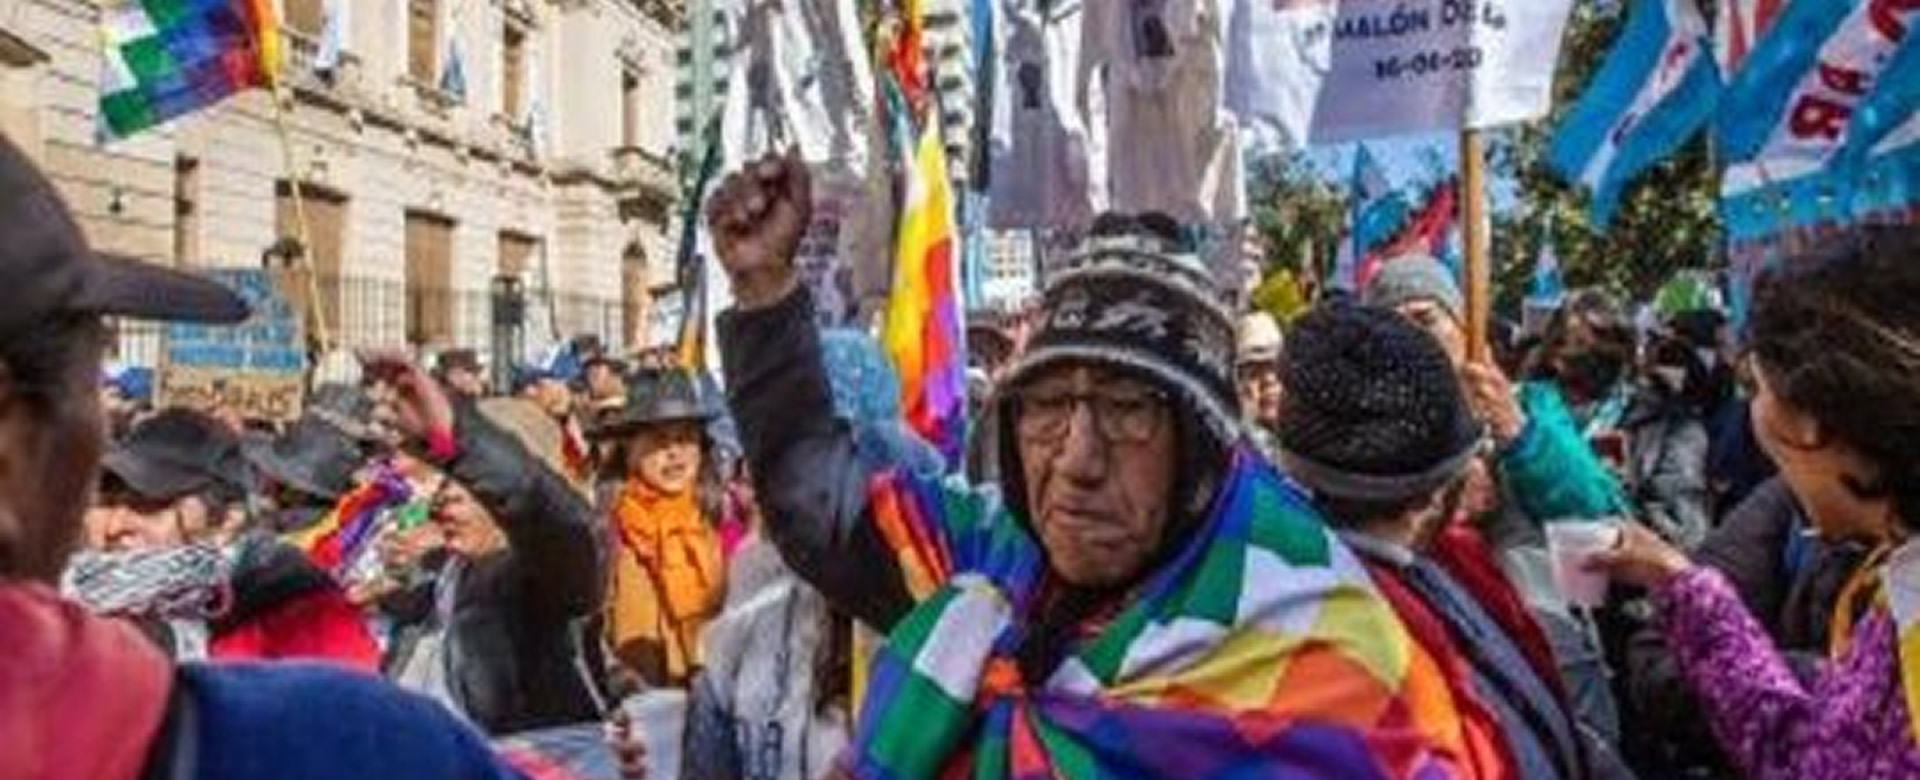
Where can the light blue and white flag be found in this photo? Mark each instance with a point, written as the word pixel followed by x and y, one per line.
pixel 1812 126
pixel 333 37
pixel 1797 96
pixel 453 76
pixel 1548 288
pixel 1890 107
pixel 1657 87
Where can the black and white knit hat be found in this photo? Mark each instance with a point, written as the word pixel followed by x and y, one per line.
pixel 1374 410
pixel 1138 302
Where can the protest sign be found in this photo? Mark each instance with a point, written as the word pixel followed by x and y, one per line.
pixel 1325 71
pixel 256 368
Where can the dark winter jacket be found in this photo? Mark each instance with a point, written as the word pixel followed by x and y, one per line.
pixel 520 652
pixel 806 466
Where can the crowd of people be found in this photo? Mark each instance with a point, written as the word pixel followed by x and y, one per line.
pixel 1188 541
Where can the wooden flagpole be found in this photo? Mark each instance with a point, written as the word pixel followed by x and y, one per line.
pixel 316 308
pixel 1473 210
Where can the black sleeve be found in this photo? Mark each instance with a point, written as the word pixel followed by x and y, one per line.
pixel 547 523
pixel 810 480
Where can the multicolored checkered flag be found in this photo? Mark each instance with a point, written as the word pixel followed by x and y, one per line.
pixel 163 59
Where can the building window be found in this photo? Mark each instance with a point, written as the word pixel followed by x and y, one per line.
pixel 306 17
pixel 629 108
pixel 423 35
pixel 513 71
pixel 326 236
pixel 518 252
pixel 430 296
pixel 186 211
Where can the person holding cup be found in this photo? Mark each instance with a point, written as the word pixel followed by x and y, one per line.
pixel 1837 345
pixel 1377 426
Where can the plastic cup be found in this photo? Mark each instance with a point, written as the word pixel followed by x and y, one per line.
pixel 1573 544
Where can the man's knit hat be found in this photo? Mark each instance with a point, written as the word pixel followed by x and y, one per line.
pixel 1374 410
pixel 1136 300
pixel 1404 280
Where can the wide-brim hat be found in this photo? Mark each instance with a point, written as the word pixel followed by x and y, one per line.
pixel 656 397
pixel 314 457
pixel 178 453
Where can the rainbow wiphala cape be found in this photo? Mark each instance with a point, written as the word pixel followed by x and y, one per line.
pixel 1262 650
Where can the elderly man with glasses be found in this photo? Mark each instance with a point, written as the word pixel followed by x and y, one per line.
pixel 1150 599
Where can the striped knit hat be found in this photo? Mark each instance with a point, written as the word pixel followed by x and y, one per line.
pixel 1138 301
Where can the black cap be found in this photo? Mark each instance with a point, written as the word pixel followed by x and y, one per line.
pixel 47 269
pixel 176 453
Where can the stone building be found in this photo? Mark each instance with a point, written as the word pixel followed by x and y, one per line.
pixel 450 143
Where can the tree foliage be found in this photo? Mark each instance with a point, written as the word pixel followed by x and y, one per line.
pixel 1666 220
pixel 1299 215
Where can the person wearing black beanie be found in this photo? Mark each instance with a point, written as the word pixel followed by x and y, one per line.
pixel 1377 427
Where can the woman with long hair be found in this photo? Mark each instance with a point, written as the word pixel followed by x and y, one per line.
pixel 662 497
pixel 1837 346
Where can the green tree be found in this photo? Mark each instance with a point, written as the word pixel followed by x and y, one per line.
pixel 1298 213
pixel 1666 220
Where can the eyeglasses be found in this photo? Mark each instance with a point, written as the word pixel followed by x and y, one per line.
pixel 1121 415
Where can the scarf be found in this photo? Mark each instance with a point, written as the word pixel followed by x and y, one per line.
pixel 176 583
pixel 670 540
pixel 1260 649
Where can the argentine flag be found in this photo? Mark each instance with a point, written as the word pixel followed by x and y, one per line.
pixel 1657 86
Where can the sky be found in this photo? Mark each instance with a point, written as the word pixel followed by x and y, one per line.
pixel 1408 161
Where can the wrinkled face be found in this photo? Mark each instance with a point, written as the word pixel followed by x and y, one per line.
pixel 1097 451
pixel 1437 322
pixel 464 523
pixel 666 457
pixel 1261 391
pixel 1815 468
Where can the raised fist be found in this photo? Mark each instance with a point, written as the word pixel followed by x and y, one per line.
pixel 757 218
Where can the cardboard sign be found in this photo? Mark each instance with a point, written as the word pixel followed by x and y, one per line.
pixel 256 368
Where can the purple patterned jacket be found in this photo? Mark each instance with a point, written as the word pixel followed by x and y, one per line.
pixel 1852 722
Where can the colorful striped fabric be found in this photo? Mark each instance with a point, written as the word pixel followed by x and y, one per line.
pixel 167 58
pixel 339 538
pixel 924 323
pixel 1262 650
